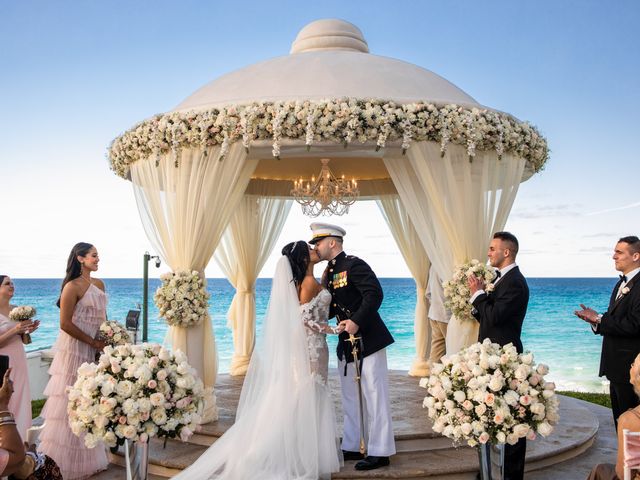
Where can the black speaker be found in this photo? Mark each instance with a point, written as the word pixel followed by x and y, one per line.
pixel 132 319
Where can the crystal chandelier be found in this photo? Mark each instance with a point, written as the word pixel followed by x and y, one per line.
pixel 326 195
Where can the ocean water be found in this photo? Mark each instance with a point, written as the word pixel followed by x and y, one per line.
pixel 550 331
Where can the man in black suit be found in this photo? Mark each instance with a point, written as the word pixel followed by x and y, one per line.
pixel 620 326
pixel 501 314
pixel 356 296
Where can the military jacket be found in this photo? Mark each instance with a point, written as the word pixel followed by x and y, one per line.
pixel 356 294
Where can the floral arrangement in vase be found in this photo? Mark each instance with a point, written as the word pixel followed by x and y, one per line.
pixel 182 299
pixel 135 392
pixel 456 290
pixel 490 394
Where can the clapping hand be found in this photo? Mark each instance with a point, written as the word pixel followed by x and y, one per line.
pixel 587 314
pixel 475 283
pixel 33 326
pixel 23 327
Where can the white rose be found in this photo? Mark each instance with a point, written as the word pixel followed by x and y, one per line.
pixel 185 434
pixel 484 437
pixel 527 358
pixel 545 429
pixel 521 430
pixel 124 388
pixel 90 440
pixel 542 369
pixel 501 437
pixel 157 399
pixel 101 421
pixel 159 416
pixel 537 408
pixel 459 396
pixel 129 431
pixel 496 384
pixel 110 439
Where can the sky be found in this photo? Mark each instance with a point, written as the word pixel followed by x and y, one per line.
pixel 76 74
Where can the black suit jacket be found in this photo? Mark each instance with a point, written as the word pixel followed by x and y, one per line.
pixel 501 312
pixel 620 330
pixel 356 294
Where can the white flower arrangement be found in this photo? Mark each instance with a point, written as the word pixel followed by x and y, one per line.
pixel 337 120
pixel 113 333
pixel 457 292
pixel 182 299
pixel 135 392
pixel 488 393
pixel 22 313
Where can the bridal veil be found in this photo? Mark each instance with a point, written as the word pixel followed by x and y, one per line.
pixel 285 424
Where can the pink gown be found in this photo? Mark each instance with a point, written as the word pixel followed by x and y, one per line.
pixel 20 403
pixel 56 439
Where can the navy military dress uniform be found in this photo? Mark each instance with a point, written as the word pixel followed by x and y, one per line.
pixel 356 295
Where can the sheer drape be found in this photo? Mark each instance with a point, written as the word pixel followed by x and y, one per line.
pixel 455 206
pixel 245 247
pixel 185 200
pixel 416 259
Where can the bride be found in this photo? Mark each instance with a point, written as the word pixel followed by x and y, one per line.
pixel 285 424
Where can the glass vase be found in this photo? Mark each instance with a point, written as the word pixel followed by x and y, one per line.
pixel 491 458
pixel 136 456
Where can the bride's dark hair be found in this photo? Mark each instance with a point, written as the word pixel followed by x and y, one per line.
pixel 298 255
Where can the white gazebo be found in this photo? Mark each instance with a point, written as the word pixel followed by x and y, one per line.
pixel 216 173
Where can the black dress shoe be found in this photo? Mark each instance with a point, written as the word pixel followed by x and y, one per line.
pixel 351 455
pixel 371 463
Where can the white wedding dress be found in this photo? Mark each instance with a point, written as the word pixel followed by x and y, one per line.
pixel 285 425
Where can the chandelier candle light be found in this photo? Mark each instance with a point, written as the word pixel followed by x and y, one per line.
pixel 326 195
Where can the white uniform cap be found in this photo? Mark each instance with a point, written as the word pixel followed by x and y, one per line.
pixel 322 230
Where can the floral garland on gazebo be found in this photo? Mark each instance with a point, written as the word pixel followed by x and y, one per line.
pixel 341 120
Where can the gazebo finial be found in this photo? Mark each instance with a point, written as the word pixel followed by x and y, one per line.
pixel 329 34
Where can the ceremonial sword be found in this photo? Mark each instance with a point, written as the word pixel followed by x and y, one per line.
pixel 354 341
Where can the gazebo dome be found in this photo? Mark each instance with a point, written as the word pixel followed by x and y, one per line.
pixel 328 59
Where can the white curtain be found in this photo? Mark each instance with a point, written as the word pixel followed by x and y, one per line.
pixel 416 259
pixel 185 200
pixel 245 247
pixel 455 206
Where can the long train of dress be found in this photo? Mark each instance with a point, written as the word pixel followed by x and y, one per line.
pixel 285 425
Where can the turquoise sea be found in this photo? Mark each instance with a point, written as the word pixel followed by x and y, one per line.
pixel 551 331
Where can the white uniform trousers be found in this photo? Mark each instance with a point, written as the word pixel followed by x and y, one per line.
pixel 377 411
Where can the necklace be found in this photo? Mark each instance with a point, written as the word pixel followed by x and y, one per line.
pixel 87 279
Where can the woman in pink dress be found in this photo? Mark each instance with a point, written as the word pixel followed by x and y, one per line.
pixel 12 346
pixel 83 306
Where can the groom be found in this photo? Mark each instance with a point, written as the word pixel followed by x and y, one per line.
pixel 356 295
pixel 501 314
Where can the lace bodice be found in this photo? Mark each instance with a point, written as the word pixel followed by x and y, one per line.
pixel 315 317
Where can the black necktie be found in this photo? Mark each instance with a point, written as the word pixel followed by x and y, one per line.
pixel 623 278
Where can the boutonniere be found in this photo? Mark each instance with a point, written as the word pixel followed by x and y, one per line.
pixel 624 291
